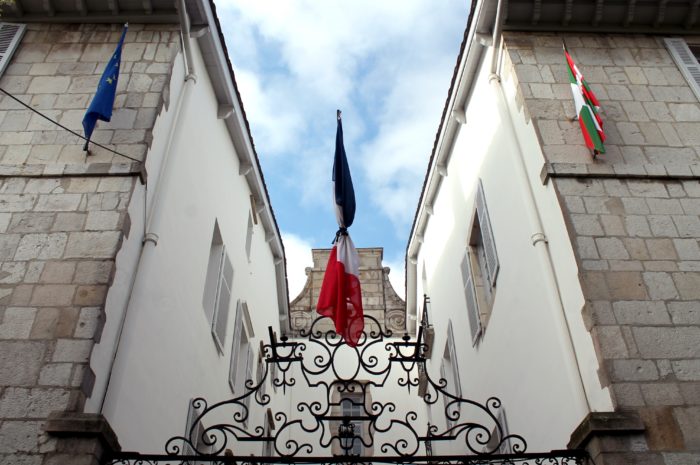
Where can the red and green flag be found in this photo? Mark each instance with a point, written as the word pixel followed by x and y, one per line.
pixel 586 108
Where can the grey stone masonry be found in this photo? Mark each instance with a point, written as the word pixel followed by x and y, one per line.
pixel 379 299
pixel 63 217
pixel 633 215
pixel 56 69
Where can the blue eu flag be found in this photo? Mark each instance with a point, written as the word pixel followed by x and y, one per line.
pixel 103 101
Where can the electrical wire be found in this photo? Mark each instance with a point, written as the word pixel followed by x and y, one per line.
pixel 63 127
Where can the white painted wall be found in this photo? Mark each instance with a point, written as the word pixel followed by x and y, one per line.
pixel 522 356
pixel 128 256
pixel 167 354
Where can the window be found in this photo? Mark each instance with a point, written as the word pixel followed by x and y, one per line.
pixel 695 50
pixel 449 370
pixel 241 366
pixel 496 443
pixel 194 431
pixel 352 404
pixel 260 371
pixel 686 57
pixel 249 236
pixel 353 401
pixel 217 289
pixel 10 36
pixel 273 366
pixel 269 445
pixel 479 268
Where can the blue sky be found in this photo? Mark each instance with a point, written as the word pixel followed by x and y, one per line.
pixel 387 65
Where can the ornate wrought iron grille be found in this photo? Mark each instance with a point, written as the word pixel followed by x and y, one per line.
pixel 345 420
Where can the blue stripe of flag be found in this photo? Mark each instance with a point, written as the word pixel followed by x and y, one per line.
pixel 344 192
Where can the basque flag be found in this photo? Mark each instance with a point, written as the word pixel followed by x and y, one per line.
pixel 587 107
pixel 341 296
pixel 103 101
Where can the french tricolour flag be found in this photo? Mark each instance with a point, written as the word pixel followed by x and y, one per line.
pixel 341 296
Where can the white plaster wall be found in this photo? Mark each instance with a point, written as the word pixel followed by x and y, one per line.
pixel 128 256
pixel 522 355
pixel 167 354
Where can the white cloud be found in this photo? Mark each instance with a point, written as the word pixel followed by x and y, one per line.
pixel 298 253
pixel 276 123
pixel 387 64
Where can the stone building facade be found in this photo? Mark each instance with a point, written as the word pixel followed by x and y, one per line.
pixel 594 264
pixel 633 215
pixel 110 260
pixel 63 214
pixel 379 299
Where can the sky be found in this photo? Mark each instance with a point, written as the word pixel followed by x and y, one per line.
pixel 387 65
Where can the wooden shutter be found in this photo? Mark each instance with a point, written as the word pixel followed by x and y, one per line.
pixel 10 36
pixel 261 370
pixel 487 235
pixel 453 360
pixel 249 236
pixel 470 294
pixel 688 65
pixel 505 446
pixel 223 300
pixel 193 431
pixel 248 373
pixel 445 400
pixel 236 347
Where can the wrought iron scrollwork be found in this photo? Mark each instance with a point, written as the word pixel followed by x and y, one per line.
pixel 342 416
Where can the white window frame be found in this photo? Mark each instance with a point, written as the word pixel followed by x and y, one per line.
pixel 10 37
pixel 218 289
pixel 480 263
pixel 686 61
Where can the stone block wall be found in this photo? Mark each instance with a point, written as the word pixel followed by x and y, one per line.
pixel 63 216
pixel 379 299
pixel 56 70
pixel 633 217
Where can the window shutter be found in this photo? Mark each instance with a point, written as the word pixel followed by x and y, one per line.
pixel 193 431
pixel 261 370
pixel 453 359
pixel 445 399
pixel 487 235
pixel 470 294
pixel 248 374
pixel 505 446
pixel 223 300
pixel 10 36
pixel 236 346
pixel 688 65
pixel 273 370
pixel 249 236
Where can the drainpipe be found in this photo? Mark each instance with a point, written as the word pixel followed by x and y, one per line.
pixel 154 215
pixel 538 237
